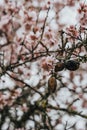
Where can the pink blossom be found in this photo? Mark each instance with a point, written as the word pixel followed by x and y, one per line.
pixel 4 20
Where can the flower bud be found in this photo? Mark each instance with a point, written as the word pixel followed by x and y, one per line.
pixel 72 65
pixel 52 84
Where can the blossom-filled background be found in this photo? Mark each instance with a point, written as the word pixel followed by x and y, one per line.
pixel 43 64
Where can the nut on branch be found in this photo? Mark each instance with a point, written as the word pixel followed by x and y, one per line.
pixel 72 65
pixel 59 66
pixel 52 84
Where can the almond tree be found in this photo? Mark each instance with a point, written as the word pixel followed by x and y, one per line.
pixel 43 66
